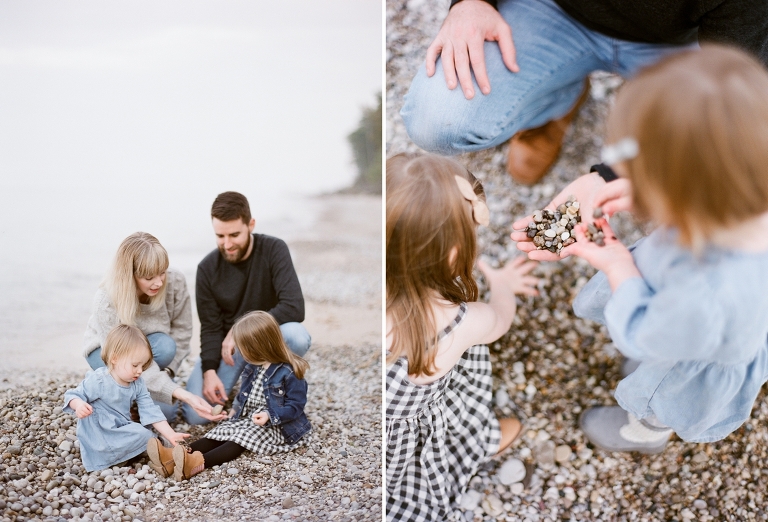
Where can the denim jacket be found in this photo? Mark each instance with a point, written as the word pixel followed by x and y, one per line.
pixel 286 396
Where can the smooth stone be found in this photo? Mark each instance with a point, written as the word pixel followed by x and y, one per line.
pixel 288 502
pixel 13 450
pixel 306 479
pixel 545 452
pixel 700 504
pixel 502 397
pixel 233 471
pixel 512 471
pixel 66 445
pixel 517 488
pixel 470 500
pixel 139 487
pixel 550 233
pixel 493 505
pixel 563 453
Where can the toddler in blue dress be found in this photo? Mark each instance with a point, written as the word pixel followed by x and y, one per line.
pixel 690 301
pixel 103 400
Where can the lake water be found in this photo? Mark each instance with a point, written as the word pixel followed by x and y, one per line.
pixel 119 117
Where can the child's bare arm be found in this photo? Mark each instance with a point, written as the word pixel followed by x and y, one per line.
pixel 164 429
pixel 494 319
pixel 82 408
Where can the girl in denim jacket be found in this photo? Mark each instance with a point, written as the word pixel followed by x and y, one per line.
pixel 689 302
pixel 268 413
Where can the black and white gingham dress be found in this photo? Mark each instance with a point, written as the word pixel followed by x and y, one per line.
pixel 265 440
pixel 438 434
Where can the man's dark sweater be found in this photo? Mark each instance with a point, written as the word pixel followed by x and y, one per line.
pixel 225 291
pixel 743 23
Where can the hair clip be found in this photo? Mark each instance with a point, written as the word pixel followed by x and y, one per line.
pixel 622 150
pixel 480 212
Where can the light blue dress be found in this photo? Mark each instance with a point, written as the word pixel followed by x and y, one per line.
pixel 108 436
pixel 699 326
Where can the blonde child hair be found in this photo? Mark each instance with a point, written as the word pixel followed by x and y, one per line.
pixel 431 249
pixel 122 341
pixel 709 128
pixel 139 255
pixel 257 335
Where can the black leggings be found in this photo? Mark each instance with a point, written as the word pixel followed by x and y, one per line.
pixel 217 452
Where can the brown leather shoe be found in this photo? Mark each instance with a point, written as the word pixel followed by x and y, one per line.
pixel 511 428
pixel 160 457
pixel 532 152
pixel 187 464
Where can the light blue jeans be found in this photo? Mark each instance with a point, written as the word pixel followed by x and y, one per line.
pixel 296 337
pixel 163 351
pixel 555 54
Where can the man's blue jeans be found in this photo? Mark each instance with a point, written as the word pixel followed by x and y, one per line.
pixel 296 337
pixel 555 54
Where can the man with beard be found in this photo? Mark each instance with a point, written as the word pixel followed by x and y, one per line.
pixel 246 272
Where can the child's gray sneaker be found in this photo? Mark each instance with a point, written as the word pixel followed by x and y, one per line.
pixel 613 429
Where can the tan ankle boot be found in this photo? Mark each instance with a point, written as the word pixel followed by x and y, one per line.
pixel 160 458
pixel 510 430
pixel 187 463
pixel 532 152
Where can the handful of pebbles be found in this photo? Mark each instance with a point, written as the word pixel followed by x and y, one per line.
pixel 553 229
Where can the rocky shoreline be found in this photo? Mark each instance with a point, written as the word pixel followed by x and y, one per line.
pixel 336 477
pixel 552 365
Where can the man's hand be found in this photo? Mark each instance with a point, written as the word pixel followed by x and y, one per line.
pixel 213 388
pixel 198 404
pixel 228 349
pixel 460 44
pixel 260 418
pixel 584 189
pixel 82 408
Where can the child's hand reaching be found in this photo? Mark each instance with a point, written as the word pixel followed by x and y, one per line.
pixel 176 437
pixel 82 408
pixel 260 418
pixel 614 258
pixel 513 275
pixel 615 197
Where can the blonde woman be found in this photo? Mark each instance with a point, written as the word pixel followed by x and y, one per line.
pixel 142 291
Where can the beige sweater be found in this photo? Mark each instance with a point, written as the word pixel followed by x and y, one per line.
pixel 174 319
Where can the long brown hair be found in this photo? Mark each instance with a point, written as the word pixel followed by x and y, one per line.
pixel 427 220
pixel 700 119
pixel 257 335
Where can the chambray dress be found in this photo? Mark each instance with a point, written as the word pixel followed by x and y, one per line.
pixel 699 326
pixel 108 436
pixel 438 434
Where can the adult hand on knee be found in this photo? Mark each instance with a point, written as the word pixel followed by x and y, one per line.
pixel 228 349
pixel 460 44
pixel 213 388
pixel 584 189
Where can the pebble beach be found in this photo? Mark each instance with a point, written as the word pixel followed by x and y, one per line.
pixel 335 476
pixel 552 365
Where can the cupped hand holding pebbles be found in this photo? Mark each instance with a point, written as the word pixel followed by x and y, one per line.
pixel 553 229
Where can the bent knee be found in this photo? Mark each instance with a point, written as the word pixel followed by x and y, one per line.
pixel 446 123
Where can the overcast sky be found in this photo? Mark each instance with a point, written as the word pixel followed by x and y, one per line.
pixel 126 115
